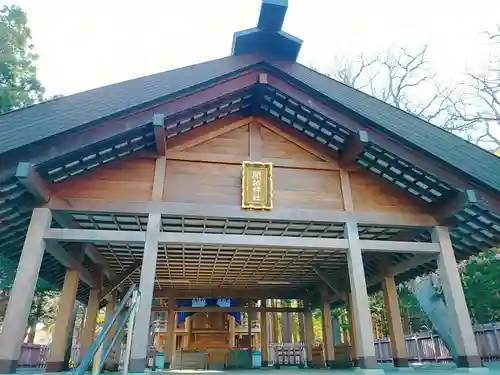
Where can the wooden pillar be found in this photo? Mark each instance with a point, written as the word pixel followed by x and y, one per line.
pixel 461 327
pixel 352 330
pixel 141 329
pixel 309 331
pixel 55 362
pixel 396 335
pixel 360 305
pixel 328 347
pixel 90 321
pixel 263 335
pixel 274 319
pixel 189 330
pixel 23 290
pixel 249 317
pixel 232 331
pixel 170 340
pixel 302 334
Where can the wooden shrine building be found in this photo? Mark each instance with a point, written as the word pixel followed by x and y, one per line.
pixel 247 178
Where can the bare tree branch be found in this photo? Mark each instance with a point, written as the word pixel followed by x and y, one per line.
pixel 479 108
pixel 395 77
pixel 403 78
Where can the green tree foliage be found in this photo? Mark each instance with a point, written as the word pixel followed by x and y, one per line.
pixel 481 281
pixel 19 86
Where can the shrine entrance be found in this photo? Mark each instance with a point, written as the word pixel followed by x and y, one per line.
pixel 221 187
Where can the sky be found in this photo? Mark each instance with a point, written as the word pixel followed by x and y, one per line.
pixel 91 43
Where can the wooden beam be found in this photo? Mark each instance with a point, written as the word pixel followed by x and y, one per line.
pixel 231 309
pixel 118 280
pixel 160 134
pixel 159 179
pixel 65 220
pixel 354 148
pixel 445 212
pixel 402 267
pixel 265 292
pixel 237 159
pixel 410 264
pixel 255 142
pixel 399 246
pixel 33 182
pixel 94 235
pixel 224 126
pixel 330 281
pixel 245 240
pixel 345 185
pixel 235 212
pixel 96 257
pixel 68 261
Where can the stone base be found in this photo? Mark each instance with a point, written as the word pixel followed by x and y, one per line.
pixel 469 361
pixel 55 366
pixel 166 365
pixel 367 362
pixel 8 366
pixel 137 365
pixel 310 364
pixel 276 365
pixel 401 362
pixel 264 364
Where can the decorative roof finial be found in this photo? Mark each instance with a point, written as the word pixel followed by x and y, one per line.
pixel 268 38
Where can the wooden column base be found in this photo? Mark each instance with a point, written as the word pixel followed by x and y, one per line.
pixel 8 366
pixel 166 365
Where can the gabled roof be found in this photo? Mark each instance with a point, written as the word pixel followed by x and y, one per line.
pixel 413 131
pixel 24 126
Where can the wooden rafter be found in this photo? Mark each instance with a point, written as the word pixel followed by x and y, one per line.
pixel 31 180
pixel 354 148
pixel 160 134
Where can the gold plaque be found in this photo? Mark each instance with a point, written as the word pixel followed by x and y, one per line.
pixel 257 186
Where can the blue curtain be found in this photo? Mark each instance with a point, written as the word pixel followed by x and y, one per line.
pixel 202 302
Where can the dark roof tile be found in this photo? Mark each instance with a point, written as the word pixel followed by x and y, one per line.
pixel 459 153
pixel 27 125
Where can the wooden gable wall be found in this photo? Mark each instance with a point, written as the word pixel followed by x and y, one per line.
pixel 205 167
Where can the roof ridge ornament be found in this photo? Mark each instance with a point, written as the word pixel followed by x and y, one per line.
pixel 268 38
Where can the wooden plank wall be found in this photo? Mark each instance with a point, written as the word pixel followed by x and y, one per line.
pixel 129 179
pixel 211 173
